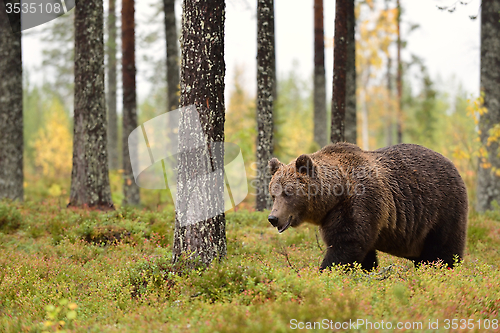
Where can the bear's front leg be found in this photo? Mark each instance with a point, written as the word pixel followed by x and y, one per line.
pixel 343 254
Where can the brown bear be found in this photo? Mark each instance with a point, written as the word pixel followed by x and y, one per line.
pixel 405 200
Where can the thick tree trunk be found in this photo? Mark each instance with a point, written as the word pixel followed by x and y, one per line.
pixel 112 118
pixel 339 71
pixel 129 117
pixel 350 108
pixel 320 125
pixel 488 181
pixel 399 81
pixel 265 99
pixel 11 106
pixel 202 85
pixel 89 177
pixel 172 54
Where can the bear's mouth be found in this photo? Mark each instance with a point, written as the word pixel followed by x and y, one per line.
pixel 286 225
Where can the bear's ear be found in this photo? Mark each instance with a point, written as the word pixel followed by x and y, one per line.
pixel 305 165
pixel 274 165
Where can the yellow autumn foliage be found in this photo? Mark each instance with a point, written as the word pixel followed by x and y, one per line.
pixel 53 144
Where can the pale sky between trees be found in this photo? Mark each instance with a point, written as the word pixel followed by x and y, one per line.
pixel 448 42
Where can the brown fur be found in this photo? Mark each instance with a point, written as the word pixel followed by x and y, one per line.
pixel 405 200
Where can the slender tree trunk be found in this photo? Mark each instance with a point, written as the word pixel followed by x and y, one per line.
pixel 200 225
pixel 130 189
pixel 172 54
pixel 11 106
pixel 320 125
pixel 350 108
pixel 89 177
pixel 112 118
pixel 488 181
pixel 390 140
pixel 339 71
pixel 265 99
pixel 399 81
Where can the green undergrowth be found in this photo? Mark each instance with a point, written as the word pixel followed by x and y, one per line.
pixel 92 271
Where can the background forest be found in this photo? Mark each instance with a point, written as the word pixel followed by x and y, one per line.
pixel 118 265
pixel 437 114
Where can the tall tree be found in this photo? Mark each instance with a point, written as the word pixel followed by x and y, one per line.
pixel 265 99
pixel 339 71
pixel 11 105
pixel 129 117
pixel 89 177
pixel 112 117
pixel 399 80
pixel 172 54
pixel 202 85
pixel 350 108
pixel 488 180
pixel 320 125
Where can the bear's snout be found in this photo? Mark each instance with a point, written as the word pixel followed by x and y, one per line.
pixel 273 220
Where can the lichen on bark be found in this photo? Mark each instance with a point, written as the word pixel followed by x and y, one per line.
pixel 488 182
pixel 202 85
pixel 265 99
pixel 11 106
pixel 89 176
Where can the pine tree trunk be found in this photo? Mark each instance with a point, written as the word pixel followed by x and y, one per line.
pixel 112 117
pixel 129 117
pixel 339 71
pixel 320 126
pixel 265 99
pixel 350 108
pixel 89 177
pixel 172 55
pixel 488 182
pixel 11 106
pixel 202 85
pixel 399 81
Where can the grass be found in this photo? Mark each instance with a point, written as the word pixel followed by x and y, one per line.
pixel 81 271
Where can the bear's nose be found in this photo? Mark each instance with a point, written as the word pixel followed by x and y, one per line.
pixel 273 220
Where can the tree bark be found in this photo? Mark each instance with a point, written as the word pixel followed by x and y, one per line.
pixel 399 81
pixel 112 117
pixel 320 125
pixel 350 108
pixel 488 181
pixel 265 99
pixel 172 54
pixel 89 177
pixel 129 117
pixel 339 71
pixel 11 106
pixel 202 85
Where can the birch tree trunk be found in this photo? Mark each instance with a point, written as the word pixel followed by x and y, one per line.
pixel 129 117
pixel 202 85
pixel 172 54
pixel 350 108
pixel 265 99
pixel 320 125
pixel 112 117
pixel 89 177
pixel 11 106
pixel 488 181
pixel 339 71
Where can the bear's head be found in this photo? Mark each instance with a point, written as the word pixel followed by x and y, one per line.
pixel 295 189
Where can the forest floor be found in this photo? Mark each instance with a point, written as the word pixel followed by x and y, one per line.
pixel 89 271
